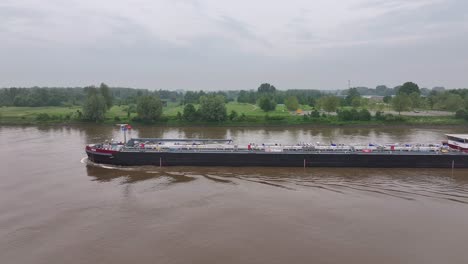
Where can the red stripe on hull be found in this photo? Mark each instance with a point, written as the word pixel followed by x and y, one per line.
pixel 458 147
pixel 98 150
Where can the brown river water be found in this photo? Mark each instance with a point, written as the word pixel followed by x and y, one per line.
pixel 55 207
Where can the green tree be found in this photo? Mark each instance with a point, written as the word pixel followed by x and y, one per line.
pixel 447 101
pixel 233 115
pixel 90 90
pixel 106 93
pixel 364 115
pixel 266 103
pixel 345 115
pixel 401 103
pixel 424 103
pixel 193 97
pixel 353 95
pixel 356 102
pixel 190 113
pixel 266 88
pixel 387 99
pixel 131 108
pixel 454 102
pixel 365 102
pixel 315 114
pixel 415 100
pixel 213 108
pixel 94 108
pixel 381 90
pixel 380 107
pixel 179 116
pixel 409 88
pixel 329 103
pixel 291 103
pixel 149 108
pixel 246 97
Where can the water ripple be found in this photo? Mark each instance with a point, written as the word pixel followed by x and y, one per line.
pixel 404 184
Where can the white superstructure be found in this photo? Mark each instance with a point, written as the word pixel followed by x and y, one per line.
pixel 458 141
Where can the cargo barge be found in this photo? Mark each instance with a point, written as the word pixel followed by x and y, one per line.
pixel 220 152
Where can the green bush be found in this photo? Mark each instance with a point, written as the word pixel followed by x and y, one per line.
pixel 392 118
pixel 315 114
pixel 364 115
pixel 354 115
pixel 190 113
pixel 379 115
pixel 274 118
pixel 43 117
pixel 149 108
pixel 344 115
pixel 240 118
pixel 213 108
pixel 266 103
pixel 233 115
pixel 56 117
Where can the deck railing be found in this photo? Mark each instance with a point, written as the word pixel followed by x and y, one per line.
pixel 291 149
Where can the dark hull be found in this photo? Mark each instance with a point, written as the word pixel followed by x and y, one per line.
pixel 372 160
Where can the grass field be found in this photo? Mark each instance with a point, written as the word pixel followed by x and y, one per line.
pixel 33 111
pixel 21 115
pixel 255 116
pixel 241 108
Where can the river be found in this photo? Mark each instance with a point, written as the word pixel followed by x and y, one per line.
pixel 55 207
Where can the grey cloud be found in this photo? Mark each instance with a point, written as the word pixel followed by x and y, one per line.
pixel 236 26
pixel 385 4
pixel 431 21
pixel 126 52
pixel 298 26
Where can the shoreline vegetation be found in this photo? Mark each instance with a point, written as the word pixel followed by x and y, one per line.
pixel 405 105
pixel 117 114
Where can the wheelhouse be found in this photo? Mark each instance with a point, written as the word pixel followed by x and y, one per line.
pixel 458 141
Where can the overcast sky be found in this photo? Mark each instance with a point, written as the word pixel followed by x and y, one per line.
pixel 220 45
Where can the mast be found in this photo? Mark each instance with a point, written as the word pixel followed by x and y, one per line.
pixel 124 128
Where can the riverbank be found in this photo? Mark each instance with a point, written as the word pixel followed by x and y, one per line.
pixel 252 118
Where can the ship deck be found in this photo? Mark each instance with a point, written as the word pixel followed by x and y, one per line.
pixel 246 151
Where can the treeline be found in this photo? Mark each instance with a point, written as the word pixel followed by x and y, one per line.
pixel 265 95
pixel 305 97
pixel 41 96
pixel 383 90
pixel 59 96
pixel 349 105
pixel 408 97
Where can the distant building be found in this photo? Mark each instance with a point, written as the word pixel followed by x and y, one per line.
pixel 377 98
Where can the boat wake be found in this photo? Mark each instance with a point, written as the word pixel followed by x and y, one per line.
pixel 89 163
pixel 407 184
